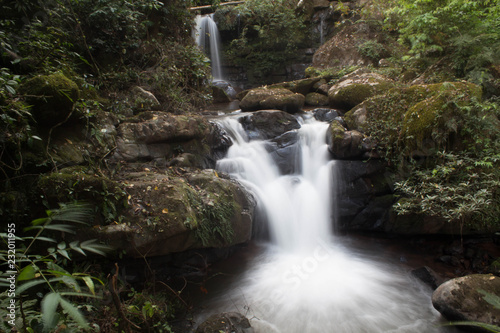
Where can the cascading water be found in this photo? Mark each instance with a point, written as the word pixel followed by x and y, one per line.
pixel 305 280
pixel 208 38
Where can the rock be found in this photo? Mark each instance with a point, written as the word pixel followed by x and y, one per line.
pixel 275 98
pixel 143 100
pixel 284 149
pixel 356 87
pixel 268 124
pixel 345 144
pixel 222 92
pixel 153 135
pixel 52 96
pixel 468 299
pixel 316 99
pixel 428 276
pixel 343 49
pixel 303 86
pixel 173 212
pixel 228 322
pixel 421 113
pixel 326 115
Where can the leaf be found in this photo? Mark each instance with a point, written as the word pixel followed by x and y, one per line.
pixel 165 211
pixel 92 246
pixel 90 284
pixel 74 245
pixel 27 273
pixel 74 313
pixel 25 286
pixel 488 327
pixel 49 307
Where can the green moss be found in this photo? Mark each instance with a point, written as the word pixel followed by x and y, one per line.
pixel 52 97
pixel 352 95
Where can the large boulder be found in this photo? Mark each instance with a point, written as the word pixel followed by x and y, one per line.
pixel 176 212
pixel 158 135
pixel 469 298
pixel 316 99
pixel 272 98
pixel 268 124
pixel 420 114
pixel 152 213
pixel 52 96
pixel 356 87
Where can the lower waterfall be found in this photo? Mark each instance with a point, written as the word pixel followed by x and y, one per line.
pixel 305 279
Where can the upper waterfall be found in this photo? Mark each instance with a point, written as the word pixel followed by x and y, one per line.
pixel 208 38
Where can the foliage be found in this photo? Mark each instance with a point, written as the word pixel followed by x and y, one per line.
pixel 214 218
pixel 46 275
pixel 469 31
pixel 270 35
pixel 372 49
pixel 458 182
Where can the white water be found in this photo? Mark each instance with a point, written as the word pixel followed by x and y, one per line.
pixel 208 38
pixel 305 280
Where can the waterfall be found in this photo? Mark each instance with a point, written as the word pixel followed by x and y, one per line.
pixel 306 280
pixel 208 38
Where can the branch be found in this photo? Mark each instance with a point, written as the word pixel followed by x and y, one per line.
pixel 232 3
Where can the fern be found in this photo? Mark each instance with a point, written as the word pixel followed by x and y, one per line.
pixel 37 270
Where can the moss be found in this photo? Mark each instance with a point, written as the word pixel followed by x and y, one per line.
pixel 348 97
pixel 52 97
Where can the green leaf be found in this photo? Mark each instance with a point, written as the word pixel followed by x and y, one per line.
pixel 74 313
pixel 27 273
pixel 488 327
pixel 75 246
pixel 92 246
pixel 90 284
pixel 25 286
pixel 49 306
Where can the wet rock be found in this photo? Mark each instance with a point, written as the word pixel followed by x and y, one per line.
pixel 228 322
pixel 326 115
pixel 268 124
pixel 284 150
pixel 345 144
pixel 469 298
pixel 428 276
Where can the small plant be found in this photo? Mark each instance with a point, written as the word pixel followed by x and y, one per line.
pixel 43 275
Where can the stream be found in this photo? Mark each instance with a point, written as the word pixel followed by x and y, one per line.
pixel 305 278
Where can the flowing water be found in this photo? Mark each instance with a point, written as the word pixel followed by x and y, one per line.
pixel 208 38
pixel 305 279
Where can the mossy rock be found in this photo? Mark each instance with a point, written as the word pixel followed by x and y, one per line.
pixel 357 87
pixel 350 96
pixel 316 99
pixel 272 98
pixel 52 96
pixel 174 212
pixel 302 87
